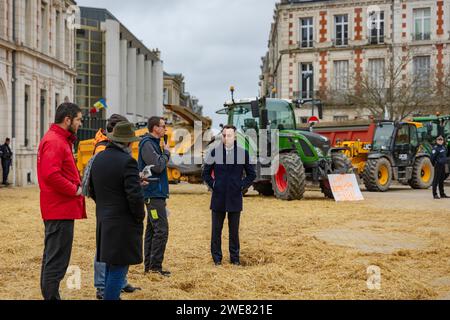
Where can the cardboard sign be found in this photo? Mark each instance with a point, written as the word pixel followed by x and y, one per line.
pixel 345 187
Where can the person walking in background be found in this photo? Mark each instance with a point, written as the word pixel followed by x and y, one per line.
pixel 116 189
pixel 228 162
pixel 101 141
pixel 6 155
pixel 155 194
pixel 61 201
pixel 439 160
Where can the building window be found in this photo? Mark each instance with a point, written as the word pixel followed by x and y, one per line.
pixel 376 73
pixel 340 118
pixel 422 24
pixel 28 24
pixel 376 30
pixel 58 35
pixel 306 81
pixel 306 33
pixel 27 117
pixel 422 71
pixel 166 96
pixel 43 113
pixel 341 30
pixel 341 75
pixel 44 28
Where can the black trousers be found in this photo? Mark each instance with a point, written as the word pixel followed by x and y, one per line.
pixel 439 178
pixel 57 251
pixel 6 165
pixel 156 234
pixel 218 219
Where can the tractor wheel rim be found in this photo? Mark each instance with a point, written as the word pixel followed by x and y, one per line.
pixel 383 175
pixel 281 179
pixel 426 173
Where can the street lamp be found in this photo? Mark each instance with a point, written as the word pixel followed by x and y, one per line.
pixel 309 75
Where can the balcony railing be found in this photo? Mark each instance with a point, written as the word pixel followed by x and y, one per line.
pixel 421 36
pixel 305 44
pixel 340 42
pixel 376 40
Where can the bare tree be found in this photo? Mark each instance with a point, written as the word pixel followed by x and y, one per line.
pixel 391 92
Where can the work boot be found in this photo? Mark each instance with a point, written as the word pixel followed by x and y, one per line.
pixel 444 196
pixel 436 197
pixel 100 294
pixel 161 272
pixel 130 289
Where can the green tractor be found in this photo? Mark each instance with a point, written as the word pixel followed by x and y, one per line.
pixel 302 156
pixel 436 126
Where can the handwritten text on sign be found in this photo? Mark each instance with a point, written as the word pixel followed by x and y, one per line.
pixel 345 187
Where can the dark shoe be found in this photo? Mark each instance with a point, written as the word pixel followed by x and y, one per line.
pixel 163 273
pixel 236 263
pixel 99 294
pixel 217 263
pixel 130 289
pixel 437 197
pixel 444 196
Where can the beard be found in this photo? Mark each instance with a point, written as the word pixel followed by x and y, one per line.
pixel 72 128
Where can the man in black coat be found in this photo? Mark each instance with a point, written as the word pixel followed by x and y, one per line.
pixel 6 155
pixel 116 188
pixel 223 172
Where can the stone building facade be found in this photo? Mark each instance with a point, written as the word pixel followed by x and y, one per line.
pixel 36 74
pixel 316 45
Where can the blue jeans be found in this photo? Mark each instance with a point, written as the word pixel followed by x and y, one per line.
pixel 100 274
pixel 114 281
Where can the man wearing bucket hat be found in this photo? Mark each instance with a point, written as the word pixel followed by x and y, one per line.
pixel 101 141
pixel 439 160
pixel 115 186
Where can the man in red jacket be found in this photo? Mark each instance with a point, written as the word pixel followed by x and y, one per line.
pixel 61 200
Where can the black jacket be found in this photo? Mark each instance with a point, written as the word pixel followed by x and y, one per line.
pixel 116 189
pixel 5 152
pixel 228 182
pixel 439 155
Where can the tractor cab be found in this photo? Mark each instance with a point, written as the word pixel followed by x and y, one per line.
pixel 398 139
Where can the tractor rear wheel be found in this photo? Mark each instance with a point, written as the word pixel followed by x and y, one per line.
pixel 377 175
pixel 289 182
pixel 423 174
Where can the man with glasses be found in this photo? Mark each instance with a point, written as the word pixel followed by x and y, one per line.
pixel 155 194
pixel 439 160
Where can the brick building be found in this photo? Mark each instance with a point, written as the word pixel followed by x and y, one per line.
pixel 316 46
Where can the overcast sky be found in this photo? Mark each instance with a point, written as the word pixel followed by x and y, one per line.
pixel 213 43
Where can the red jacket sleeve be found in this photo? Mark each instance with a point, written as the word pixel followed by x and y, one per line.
pixel 51 158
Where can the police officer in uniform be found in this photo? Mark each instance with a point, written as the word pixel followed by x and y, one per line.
pixel 439 160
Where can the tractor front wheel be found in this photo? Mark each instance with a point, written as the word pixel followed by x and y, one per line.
pixel 289 182
pixel 377 175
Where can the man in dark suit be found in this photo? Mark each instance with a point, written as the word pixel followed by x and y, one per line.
pixel 115 186
pixel 223 172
